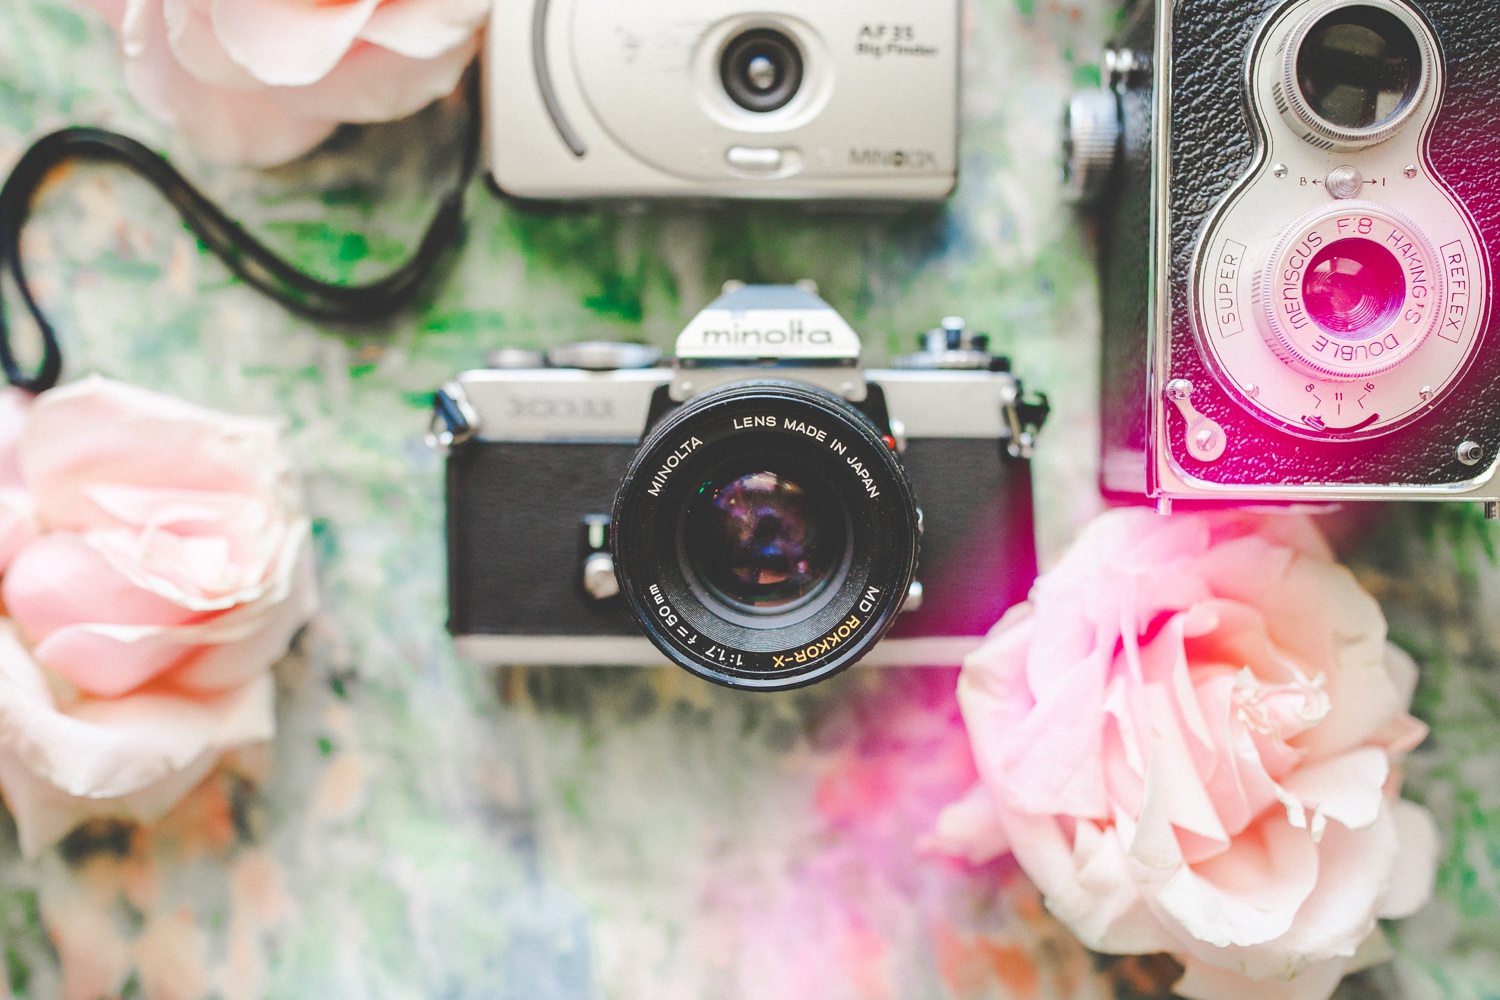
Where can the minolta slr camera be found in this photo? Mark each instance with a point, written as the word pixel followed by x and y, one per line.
pixel 1298 229
pixel 762 512
pixel 723 99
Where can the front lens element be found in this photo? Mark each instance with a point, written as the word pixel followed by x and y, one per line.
pixel 1359 67
pixel 1354 288
pixel 763 541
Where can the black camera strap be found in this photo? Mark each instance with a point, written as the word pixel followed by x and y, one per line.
pixel 244 255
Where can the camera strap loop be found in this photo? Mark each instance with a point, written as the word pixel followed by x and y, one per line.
pixel 242 253
pixel 454 419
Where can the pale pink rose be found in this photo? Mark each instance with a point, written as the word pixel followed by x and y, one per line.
pixel 171 570
pixel 1189 738
pixel 17 518
pixel 263 81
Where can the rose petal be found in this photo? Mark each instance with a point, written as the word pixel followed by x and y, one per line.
pixel 232 126
pixel 44 814
pixel 276 619
pixel 1053 760
pixel 1249 894
pixel 1175 798
pixel 97 431
pixel 1346 788
pixel 128 756
pixel 1089 885
pixel 230 648
pixel 59 580
pixel 289 43
pixel 15 410
pixel 1414 871
pixel 1371 686
pixel 190 33
pixel 374 84
pixel 423 29
pixel 18 525
pixel 970 829
pixel 1205 981
pixel 1339 914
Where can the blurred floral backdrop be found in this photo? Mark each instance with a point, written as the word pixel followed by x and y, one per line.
pixel 422 828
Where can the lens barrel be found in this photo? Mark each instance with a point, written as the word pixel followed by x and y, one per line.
pixel 761 69
pixel 765 535
pixel 1354 73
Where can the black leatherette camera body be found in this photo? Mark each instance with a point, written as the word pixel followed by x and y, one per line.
pixel 514 509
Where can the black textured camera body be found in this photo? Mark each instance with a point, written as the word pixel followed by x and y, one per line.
pixel 514 545
pixel 1190 141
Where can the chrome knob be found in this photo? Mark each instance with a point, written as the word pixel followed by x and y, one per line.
pixel 603 356
pixel 599 576
pixel 1091 139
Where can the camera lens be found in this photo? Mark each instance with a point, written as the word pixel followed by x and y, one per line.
pixel 765 535
pixel 1350 291
pixel 1354 287
pixel 1356 72
pixel 763 538
pixel 761 69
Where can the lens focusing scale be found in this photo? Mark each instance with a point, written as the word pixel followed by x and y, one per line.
pixel 765 535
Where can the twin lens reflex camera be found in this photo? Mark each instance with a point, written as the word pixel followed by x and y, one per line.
pixel 1300 206
pixel 762 512
pixel 720 99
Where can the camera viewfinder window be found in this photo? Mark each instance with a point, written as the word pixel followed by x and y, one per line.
pixel 1359 66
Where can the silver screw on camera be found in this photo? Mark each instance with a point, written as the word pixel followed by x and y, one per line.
pixel 1471 453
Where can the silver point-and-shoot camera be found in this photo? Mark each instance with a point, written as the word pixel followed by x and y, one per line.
pixel 640 98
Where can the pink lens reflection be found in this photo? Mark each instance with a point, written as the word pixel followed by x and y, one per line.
pixel 1354 287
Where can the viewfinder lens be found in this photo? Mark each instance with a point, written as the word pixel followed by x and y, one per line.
pixel 1354 287
pixel 1359 67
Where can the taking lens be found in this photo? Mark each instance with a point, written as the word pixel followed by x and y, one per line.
pixel 761 69
pixel 1359 67
pixel 765 535
pixel 1354 287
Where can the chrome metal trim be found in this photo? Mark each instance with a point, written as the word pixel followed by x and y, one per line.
pixel 544 80
pixel 1159 265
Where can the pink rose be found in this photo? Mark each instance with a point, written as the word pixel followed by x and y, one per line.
pixel 264 81
pixel 171 570
pixel 1189 738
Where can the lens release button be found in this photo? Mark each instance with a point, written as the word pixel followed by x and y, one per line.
pixel 760 159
